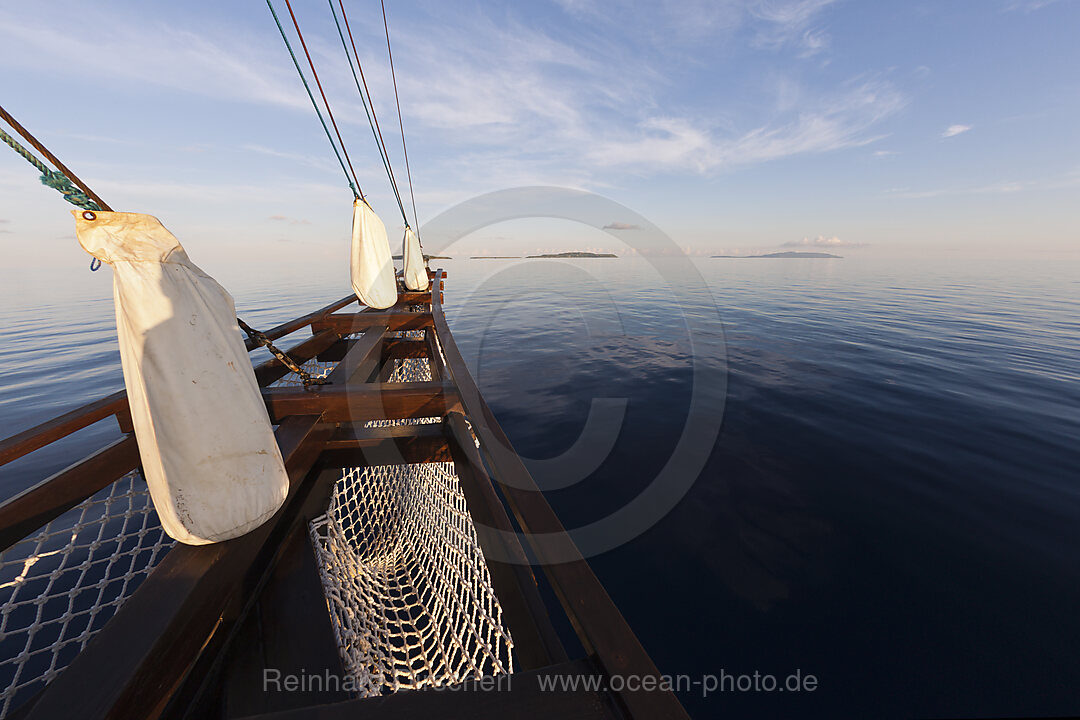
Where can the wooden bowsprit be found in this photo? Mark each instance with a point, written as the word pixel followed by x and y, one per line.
pixel 198 632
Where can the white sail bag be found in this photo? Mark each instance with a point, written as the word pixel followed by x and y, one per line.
pixel 208 451
pixel 372 267
pixel 416 277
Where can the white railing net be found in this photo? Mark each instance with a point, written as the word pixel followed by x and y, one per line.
pixel 60 585
pixel 409 593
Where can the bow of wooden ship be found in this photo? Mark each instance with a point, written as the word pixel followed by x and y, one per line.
pixel 198 631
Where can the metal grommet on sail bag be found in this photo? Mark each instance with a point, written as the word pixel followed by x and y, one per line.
pixel 207 447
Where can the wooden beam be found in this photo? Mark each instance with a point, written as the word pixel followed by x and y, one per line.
pixel 301 322
pixel 48 432
pixel 536 644
pixel 134 664
pixel 41 435
pixel 273 369
pixel 361 359
pixel 355 435
pixel 52 497
pixel 435 361
pixel 347 323
pixel 596 619
pixel 397 348
pixel 353 445
pixel 357 403
pixel 413 297
pixel 284 632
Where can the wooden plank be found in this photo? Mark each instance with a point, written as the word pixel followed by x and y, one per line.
pixel 301 322
pixel 52 497
pixel 536 644
pixel 358 403
pixel 595 618
pixel 273 369
pixel 435 362
pixel 134 664
pixel 355 446
pixel 360 360
pixel 347 323
pixel 116 404
pixel 41 435
pixel 48 499
pixel 401 451
pixel 413 297
pixel 355 435
pixel 520 696
pixel 397 348
pixel 285 632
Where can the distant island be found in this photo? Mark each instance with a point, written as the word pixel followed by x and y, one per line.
pixel 784 255
pixel 427 257
pixel 574 255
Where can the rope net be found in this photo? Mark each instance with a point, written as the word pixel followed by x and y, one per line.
pixel 409 594
pixel 315 368
pixel 60 585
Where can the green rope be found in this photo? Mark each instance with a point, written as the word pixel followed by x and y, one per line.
pixel 315 105
pixel 52 178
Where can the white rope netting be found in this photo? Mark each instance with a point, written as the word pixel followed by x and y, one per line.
pixel 60 585
pixel 314 367
pixel 409 593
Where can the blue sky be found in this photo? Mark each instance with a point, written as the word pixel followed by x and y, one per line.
pixel 735 125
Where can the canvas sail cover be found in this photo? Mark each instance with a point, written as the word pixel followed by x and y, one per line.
pixel 372 267
pixel 208 451
pixel 416 277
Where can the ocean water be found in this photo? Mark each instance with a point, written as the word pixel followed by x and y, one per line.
pixel 863 470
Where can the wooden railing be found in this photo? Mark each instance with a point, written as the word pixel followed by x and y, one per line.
pixel 164 649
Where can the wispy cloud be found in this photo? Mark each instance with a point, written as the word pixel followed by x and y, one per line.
pixel 289 220
pixel 824 242
pixel 620 226
pixel 790 23
pixel 1027 5
pixel 885 153
pixel 954 130
pixel 678 143
pixel 995 189
pixel 232 66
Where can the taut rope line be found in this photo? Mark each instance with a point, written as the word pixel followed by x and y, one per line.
pixel 88 200
pixel 369 106
pixel 356 190
pixel 401 124
pixel 91 197
pixel 318 83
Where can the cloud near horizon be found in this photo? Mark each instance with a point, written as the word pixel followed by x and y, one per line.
pixel 823 242
pixel 620 226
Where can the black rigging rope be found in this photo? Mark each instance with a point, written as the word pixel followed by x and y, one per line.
pixel 357 192
pixel 401 124
pixel 369 106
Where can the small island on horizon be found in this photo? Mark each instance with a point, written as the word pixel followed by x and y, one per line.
pixel 576 254
pixel 785 255
pixel 426 257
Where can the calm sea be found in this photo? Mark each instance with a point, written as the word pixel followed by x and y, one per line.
pixel 882 475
